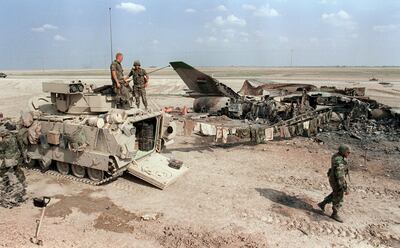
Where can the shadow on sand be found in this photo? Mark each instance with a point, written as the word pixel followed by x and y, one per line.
pixel 282 198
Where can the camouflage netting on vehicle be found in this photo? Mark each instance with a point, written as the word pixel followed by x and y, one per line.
pixel 34 132
pixel 77 140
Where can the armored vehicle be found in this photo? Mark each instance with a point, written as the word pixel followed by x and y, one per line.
pixel 79 132
pixel 3 75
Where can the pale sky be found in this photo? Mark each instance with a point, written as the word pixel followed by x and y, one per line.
pixel 54 34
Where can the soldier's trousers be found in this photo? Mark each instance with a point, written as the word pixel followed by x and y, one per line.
pixel 140 92
pixel 123 96
pixel 336 197
pixel 12 187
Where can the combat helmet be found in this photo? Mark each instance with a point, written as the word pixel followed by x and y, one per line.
pixel 343 149
pixel 136 62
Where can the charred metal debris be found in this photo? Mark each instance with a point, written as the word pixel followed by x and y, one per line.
pixel 265 111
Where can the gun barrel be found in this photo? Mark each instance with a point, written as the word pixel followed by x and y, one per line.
pixel 159 69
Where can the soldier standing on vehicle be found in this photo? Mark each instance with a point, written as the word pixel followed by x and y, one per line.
pixel 337 180
pixel 120 86
pixel 140 82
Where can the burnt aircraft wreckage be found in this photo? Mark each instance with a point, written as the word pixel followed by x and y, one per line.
pixel 262 111
pixel 79 133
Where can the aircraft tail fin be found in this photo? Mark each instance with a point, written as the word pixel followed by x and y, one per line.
pixel 198 82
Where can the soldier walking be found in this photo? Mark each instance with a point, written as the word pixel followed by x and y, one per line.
pixel 120 86
pixel 337 179
pixel 140 82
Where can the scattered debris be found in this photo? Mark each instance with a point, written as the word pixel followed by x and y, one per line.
pixel 197 117
pixel 177 110
pixel 148 217
pixel 174 163
pixel 373 79
pixel 355 136
pixel 301 230
pixel 386 84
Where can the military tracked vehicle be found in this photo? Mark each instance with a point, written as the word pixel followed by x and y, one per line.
pixel 79 132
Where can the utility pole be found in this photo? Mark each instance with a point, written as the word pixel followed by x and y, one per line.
pixel 42 60
pixel 291 57
pixel 111 41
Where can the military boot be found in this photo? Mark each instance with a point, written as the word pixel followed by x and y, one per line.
pixel 321 205
pixel 336 217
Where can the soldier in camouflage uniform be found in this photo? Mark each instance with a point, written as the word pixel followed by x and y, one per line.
pixel 140 82
pixel 337 179
pixel 120 86
pixel 12 178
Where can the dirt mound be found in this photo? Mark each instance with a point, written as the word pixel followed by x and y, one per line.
pixel 147 226
pixel 176 236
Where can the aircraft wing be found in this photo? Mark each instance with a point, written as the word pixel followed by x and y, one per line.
pixel 256 88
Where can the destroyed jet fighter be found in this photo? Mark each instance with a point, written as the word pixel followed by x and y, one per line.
pixel 265 117
pixel 274 110
pixel 254 100
pixel 272 103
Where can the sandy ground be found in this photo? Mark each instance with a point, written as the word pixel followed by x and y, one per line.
pixel 237 196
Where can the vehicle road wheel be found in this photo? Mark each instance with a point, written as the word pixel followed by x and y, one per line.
pixel 62 167
pixel 45 164
pixel 30 164
pixel 95 174
pixel 78 171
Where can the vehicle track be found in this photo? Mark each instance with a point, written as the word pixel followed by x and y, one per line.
pixel 375 234
pixel 123 184
pixel 76 179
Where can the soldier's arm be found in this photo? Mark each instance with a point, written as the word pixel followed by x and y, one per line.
pixel 114 75
pixel 113 69
pixel 128 78
pixel 340 173
pixel 146 78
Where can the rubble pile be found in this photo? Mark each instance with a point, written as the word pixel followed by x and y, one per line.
pixel 371 139
pixel 371 129
pixel 367 134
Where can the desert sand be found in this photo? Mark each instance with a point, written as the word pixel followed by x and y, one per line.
pixel 236 196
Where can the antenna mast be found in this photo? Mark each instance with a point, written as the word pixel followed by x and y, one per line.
pixel 111 41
